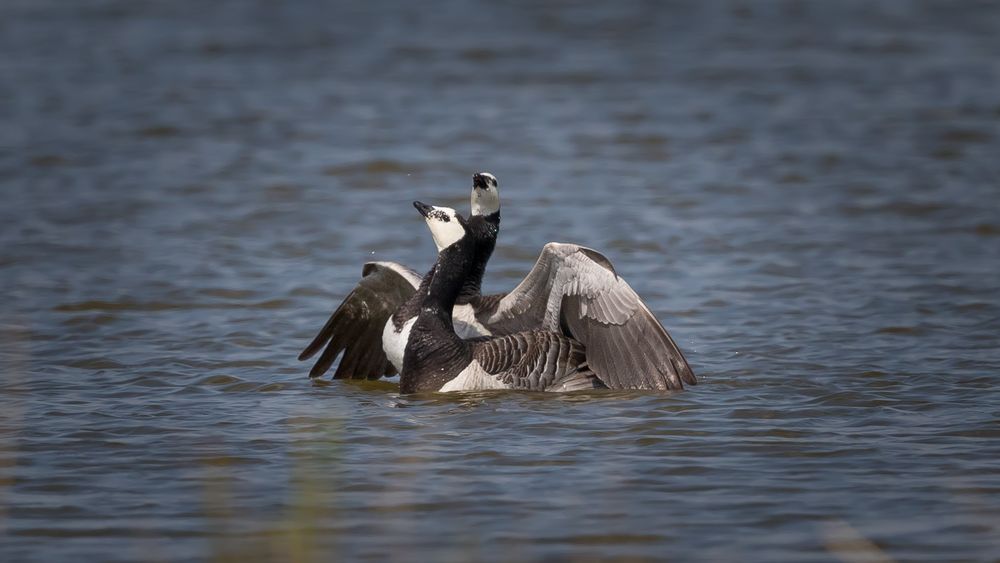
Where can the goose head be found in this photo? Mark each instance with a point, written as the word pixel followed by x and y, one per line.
pixel 446 225
pixel 485 196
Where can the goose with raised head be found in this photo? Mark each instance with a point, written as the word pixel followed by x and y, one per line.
pixel 571 289
pixel 572 323
pixel 372 324
pixel 437 359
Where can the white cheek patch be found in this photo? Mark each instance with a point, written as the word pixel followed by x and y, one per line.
pixel 445 232
pixel 485 202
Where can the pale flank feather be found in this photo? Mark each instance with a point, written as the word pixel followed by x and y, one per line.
pixel 535 360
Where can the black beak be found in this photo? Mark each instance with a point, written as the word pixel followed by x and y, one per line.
pixel 423 208
pixel 479 181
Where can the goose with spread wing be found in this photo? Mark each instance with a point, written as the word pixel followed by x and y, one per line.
pixel 437 359
pixel 573 323
pixel 571 289
pixel 372 324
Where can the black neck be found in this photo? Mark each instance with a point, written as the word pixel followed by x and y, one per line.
pixel 425 282
pixel 434 353
pixel 484 230
pixel 454 266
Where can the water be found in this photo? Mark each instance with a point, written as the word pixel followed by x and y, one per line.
pixel 805 193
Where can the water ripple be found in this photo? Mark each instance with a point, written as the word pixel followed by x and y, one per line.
pixel 808 204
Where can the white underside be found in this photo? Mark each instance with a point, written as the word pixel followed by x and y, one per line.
pixel 473 378
pixel 394 342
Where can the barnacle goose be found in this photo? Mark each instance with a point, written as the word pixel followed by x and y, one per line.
pixel 571 324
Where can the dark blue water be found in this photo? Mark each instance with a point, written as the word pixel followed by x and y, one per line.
pixel 805 193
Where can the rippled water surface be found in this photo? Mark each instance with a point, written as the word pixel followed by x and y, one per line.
pixel 806 194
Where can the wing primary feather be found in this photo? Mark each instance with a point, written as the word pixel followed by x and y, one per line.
pixel 326 332
pixel 355 327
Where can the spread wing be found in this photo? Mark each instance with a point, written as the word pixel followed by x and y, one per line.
pixel 576 290
pixel 355 328
pixel 535 360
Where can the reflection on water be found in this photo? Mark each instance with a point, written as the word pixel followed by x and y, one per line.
pixel 804 193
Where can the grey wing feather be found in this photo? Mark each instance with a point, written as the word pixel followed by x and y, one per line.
pixel 355 328
pixel 576 290
pixel 536 360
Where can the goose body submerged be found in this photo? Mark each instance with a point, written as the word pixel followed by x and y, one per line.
pixel 571 291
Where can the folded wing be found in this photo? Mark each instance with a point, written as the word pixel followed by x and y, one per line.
pixel 355 328
pixel 576 290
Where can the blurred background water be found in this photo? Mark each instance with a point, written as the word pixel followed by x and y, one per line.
pixel 805 193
